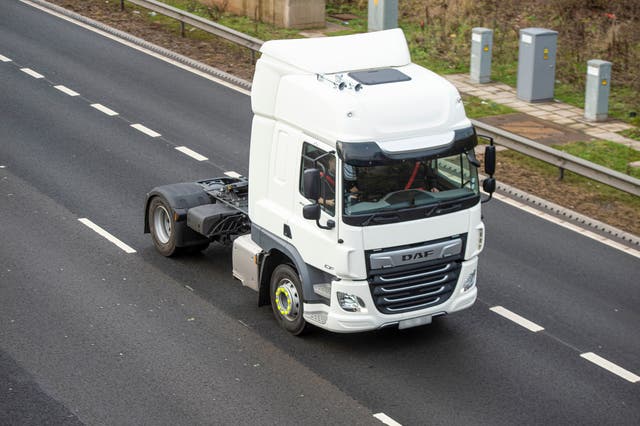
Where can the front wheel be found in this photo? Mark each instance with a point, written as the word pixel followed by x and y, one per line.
pixel 286 299
pixel 162 226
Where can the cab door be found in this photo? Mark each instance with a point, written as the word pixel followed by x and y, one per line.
pixel 317 246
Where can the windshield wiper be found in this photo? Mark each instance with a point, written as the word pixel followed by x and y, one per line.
pixel 381 218
pixel 436 208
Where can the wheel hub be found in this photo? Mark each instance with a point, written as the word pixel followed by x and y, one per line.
pixel 287 300
pixel 162 224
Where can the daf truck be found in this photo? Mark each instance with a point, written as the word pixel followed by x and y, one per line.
pixel 362 206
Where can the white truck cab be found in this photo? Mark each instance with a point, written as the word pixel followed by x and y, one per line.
pixel 363 191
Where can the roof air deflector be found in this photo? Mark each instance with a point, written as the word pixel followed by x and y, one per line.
pixel 379 76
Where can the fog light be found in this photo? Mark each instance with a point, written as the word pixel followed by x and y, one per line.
pixel 349 302
pixel 470 281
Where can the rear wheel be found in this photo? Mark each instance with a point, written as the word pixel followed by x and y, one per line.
pixel 286 299
pixel 162 226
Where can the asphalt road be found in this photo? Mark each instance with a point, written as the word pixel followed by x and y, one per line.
pixel 91 334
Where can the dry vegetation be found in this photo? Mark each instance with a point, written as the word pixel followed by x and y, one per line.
pixel 439 31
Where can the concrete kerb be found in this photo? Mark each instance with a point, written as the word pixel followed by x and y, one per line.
pixel 147 45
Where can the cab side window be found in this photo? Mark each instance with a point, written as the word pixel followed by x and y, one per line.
pixel 313 156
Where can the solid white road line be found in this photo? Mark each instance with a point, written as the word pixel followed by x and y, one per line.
pixel 31 72
pixel 146 130
pixel 4 59
pixel 386 419
pixel 104 109
pixel 613 368
pixel 568 225
pixel 531 326
pixel 191 153
pixel 233 174
pixel 105 234
pixel 66 90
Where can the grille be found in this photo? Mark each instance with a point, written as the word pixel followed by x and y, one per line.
pixel 416 288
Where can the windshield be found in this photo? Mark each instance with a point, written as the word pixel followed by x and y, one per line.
pixel 398 185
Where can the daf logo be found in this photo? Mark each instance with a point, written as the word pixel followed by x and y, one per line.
pixel 418 255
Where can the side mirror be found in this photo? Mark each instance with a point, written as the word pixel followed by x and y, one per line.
pixel 311 211
pixel 490 160
pixel 489 185
pixel 311 186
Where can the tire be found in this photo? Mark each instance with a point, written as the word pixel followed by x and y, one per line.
pixel 162 226
pixel 286 300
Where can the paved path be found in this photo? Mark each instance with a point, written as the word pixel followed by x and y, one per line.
pixel 556 112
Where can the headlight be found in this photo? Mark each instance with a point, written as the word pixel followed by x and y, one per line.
pixel 469 282
pixel 349 302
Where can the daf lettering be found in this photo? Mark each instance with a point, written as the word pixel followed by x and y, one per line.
pixel 415 256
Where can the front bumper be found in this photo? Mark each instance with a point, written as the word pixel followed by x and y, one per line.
pixel 334 318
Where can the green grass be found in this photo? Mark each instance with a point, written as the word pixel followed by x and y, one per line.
pixel 608 154
pixel 476 107
pixel 603 192
pixel 632 133
pixel 429 47
pixel 449 53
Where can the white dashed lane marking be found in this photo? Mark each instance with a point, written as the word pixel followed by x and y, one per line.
pixel 531 326
pixel 191 153
pixel 106 235
pixel 4 59
pixel 611 367
pixel 31 72
pixel 104 109
pixel 146 130
pixel 233 174
pixel 66 90
pixel 386 419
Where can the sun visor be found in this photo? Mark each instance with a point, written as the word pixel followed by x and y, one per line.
pixel 363 154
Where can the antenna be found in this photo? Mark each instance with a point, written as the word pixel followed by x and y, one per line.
pixel 339 82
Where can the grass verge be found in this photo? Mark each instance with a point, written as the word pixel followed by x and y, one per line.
pixel 588 197
pixel 608 154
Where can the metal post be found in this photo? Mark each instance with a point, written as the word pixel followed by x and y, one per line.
pixel 383 15
pixel 481 49
pixel 121 5
pixel 536 64
pixel 596 99
pixel 182 29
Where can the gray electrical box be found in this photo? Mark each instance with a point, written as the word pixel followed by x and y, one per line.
pixel 536 64
pixel 481 49
pixel 383 15
pixel 596 98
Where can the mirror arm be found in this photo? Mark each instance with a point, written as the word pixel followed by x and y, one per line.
pixel 330 224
